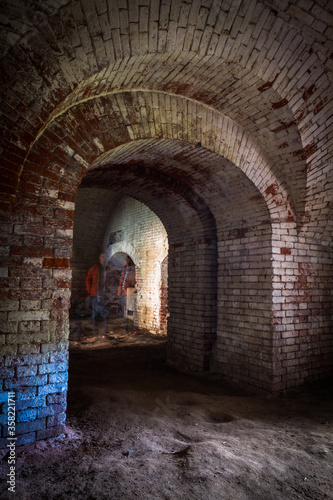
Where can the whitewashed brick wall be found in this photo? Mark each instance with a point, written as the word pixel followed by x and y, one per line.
pixel 145 240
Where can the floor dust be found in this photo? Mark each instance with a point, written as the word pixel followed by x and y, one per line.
pixel 137 429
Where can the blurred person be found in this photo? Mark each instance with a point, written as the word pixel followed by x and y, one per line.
pixel 95 284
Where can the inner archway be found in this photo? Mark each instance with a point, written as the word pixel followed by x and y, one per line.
pixel 237 245
pixel 187 220
pixel 118 226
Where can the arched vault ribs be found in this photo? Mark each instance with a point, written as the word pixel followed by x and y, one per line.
pixel 192 261
pixel 92 130
pixel 278 111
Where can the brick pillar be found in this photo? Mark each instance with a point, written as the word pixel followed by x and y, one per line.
pixel 192 304
pixel 244 335
pixel 302 310
pixel 35 288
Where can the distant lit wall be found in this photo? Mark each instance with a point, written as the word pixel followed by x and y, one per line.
pixel 136 231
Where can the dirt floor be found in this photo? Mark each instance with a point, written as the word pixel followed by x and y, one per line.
pixel 137 429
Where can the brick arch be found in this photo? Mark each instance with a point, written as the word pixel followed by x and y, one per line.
pixel 81 136
pixel 207 175
pixel 284 143
pixel 218 124
pixel 191 230
pixel 285 138
pixel 242 218
pixel 301 97
pixel 124 247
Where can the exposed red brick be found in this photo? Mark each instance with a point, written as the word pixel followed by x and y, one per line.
pixel 9 177
pixel 31 283
pixel 66 197
pixel 29 198
pixel 291 217
pixel 239 232
pixel 56 262
pixel 31 178
pixel 7 189
pixel 38 159
pixel 280 104
pixel 283 126
pixel 21 208
pixel 27 187
pixel 34 241
pixel 299 114
pixel 61 303
pixel 318 106
pixel 24 294
pixel 307 151
pixel 5 206
pixel 64 214
pixel 58 223
pixel 267 85
pixel 308 93
pixel 285 251
pixel 41 171
pixel 271 190
pixel 32 252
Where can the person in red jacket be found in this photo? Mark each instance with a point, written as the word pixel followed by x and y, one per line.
pixel 127 286
pixel 95 284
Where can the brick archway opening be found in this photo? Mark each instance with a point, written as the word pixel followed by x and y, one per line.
pixel 175 203
pixel 119 226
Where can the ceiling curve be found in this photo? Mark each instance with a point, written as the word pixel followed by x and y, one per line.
pixel 264 66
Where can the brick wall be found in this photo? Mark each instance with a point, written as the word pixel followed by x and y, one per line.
pixel 244 344
pixel 302 312
pixel 34 345
pixel 141 235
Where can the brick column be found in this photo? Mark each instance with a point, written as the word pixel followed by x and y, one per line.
pixel 192 304
pixel 302 311
pixel 35 288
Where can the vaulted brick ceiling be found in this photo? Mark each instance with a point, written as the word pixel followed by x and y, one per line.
pixel 250 81
pixel 216 182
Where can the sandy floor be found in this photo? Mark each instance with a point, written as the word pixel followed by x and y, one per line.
pixel 137 429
